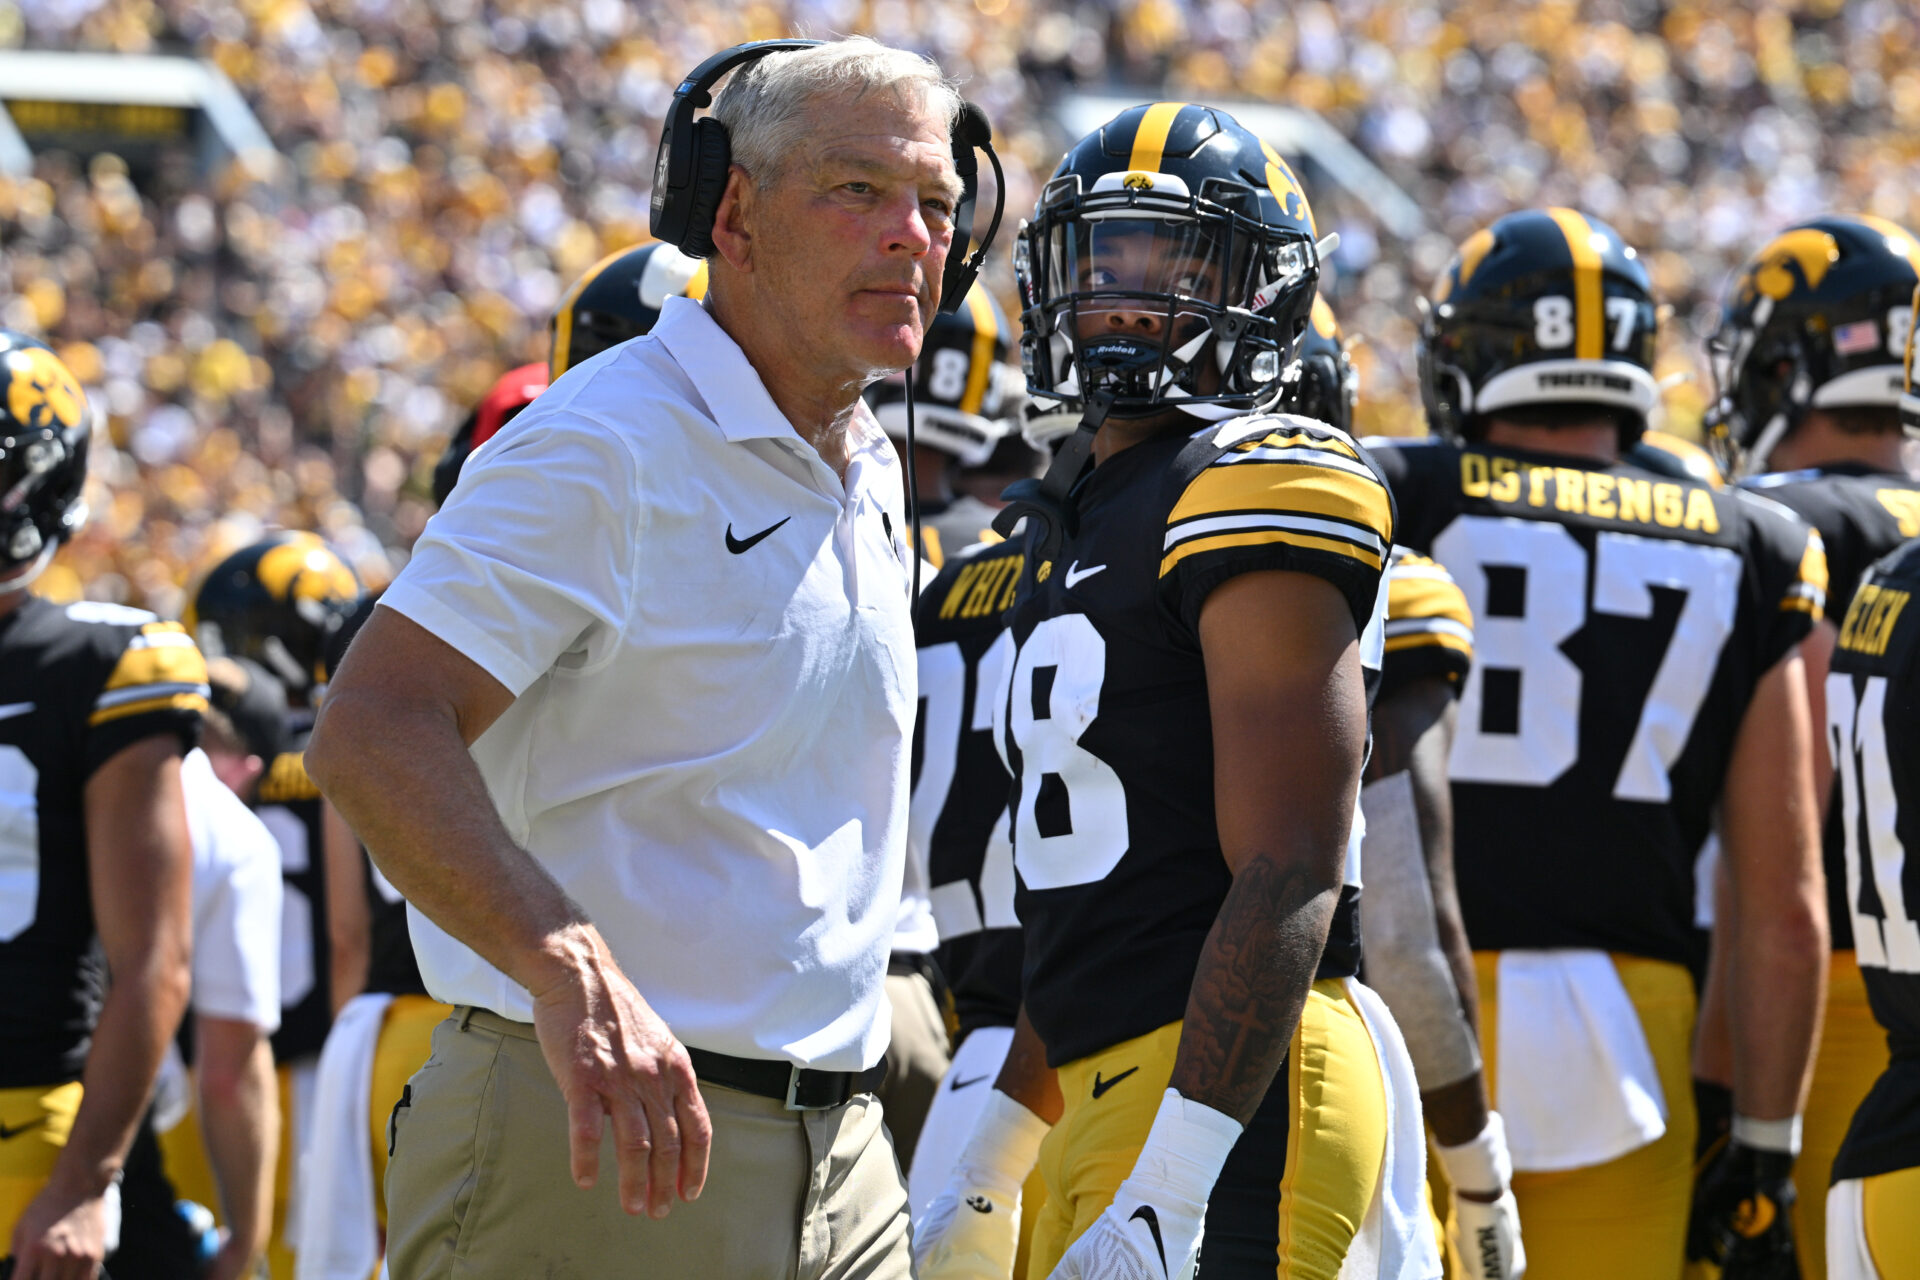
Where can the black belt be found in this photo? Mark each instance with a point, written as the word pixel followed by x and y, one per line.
pixel 800 1088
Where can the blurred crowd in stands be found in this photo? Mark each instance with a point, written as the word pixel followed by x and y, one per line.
pixel 292 344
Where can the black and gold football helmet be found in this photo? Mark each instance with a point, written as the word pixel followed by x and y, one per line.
pixel 1171 262
pixel 1544 307
pixel 1910 378
pixel 45 429
pixel 960 383
pixel 277 602
pixel 1818 319
pixel 1322 383
pixel 619 297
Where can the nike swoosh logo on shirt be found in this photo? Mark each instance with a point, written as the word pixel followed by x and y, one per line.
pixel 12 709
pixel 1101 1086
pixel 962 1084
pixel 1145 1213
pixel 738 545
pixel 1076 575
pixel 14 1131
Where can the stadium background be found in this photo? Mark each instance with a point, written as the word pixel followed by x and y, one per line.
pixel 291 341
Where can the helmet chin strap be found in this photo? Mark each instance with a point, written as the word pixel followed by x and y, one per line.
pixel 26 577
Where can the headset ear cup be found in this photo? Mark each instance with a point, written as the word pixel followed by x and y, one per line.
pixel 712 160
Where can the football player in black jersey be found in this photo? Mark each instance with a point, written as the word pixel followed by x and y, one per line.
pixel 1808 356
pixel 962 399
pixel 1185 721
pixel 1416 947
pixel 1873 723
pixel 277 602
pixel 98 704
pixel 1637 665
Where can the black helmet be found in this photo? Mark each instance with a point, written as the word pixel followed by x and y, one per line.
pixel 1171 261
pixel 1323 384
pixel 1910 379
pixel 44 432
pixel 960 383
pixel 1544 307
pixel 276 602
pixel 619 298
pixel 1815 320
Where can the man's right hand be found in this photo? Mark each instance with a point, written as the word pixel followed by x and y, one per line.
pixel 613 1058
pixel 61 1235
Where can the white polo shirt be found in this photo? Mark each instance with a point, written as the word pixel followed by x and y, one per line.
pixel 709 641
pixel 236 902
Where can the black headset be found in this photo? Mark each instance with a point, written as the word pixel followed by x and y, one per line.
pixel 690 174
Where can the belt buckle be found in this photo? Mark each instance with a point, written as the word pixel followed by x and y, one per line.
pixel 793 1087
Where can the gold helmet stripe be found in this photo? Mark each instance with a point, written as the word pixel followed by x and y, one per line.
pixel 1150 136
pixel 985 330
pixel 559 358
pixel 1589 325
pixel 697 286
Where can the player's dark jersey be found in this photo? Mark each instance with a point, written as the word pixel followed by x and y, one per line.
pixel 1622 620
pixel 1861 514
pixel 1429 626
pixel 289 803
pixel 1107 725
pixel 391 967
pixel 1873 725
pixel 953 528
pixel 78 684
pixel 960 785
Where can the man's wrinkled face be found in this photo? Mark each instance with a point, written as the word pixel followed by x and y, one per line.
pixel 853 235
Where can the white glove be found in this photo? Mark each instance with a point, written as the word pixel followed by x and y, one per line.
pixel 1152 1229
pixel 972 1229
pixel 1486 1234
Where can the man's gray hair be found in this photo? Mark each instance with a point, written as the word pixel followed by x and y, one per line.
pixel 764 105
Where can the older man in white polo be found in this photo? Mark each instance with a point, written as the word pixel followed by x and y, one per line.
pixel 631 734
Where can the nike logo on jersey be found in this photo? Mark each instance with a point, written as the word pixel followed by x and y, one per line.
pixel 12 709
pixel 1076 575
pixel 14 1131
pixel 1146 1214
pixel 962 1084
pixel 738 545
pixel 1101 1086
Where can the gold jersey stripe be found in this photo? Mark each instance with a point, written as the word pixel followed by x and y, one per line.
pixel 1302 488
pixel 1266 537
pixel 985 331
pixel 158 664
pixel 1589 325
pixel 1150 136
pixel 174 702
pixel 1410 598
pixel 1428 639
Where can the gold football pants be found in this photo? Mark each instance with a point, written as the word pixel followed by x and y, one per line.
pixel 34 1124
pixel 1627 1217
pixel 1289 1203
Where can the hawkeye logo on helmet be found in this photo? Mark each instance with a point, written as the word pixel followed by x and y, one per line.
pixel 1137 180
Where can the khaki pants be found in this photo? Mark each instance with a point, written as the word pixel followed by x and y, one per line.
pixel 479 1186
pixel 917 1058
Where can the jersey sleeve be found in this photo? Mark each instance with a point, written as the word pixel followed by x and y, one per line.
pixel 1301 498
pixel 1429 628
pixel 157 684
pixel 1790 567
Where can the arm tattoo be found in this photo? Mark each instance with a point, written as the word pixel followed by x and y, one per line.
pixel 1252 983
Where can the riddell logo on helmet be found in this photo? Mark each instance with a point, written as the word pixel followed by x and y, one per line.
pixel 1138 180
pixel 1585 380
